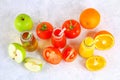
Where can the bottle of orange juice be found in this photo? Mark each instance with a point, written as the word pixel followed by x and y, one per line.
pixel 87 47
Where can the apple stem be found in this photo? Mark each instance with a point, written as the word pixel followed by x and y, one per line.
pixel 22 18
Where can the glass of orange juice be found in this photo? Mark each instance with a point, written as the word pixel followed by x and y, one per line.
pixel 87 47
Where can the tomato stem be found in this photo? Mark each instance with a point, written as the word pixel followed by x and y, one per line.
pixel 44 27
pixel 71 25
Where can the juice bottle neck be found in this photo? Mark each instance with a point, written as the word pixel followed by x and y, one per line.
pixel 89 42
pixel 26 36
pixel 56 33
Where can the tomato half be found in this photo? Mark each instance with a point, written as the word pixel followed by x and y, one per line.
pixel 44 30
pixel 52 55
pixel 69 54
pixel 73 28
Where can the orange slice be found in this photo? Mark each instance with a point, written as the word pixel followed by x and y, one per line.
pixel 104 40
pixel 95 63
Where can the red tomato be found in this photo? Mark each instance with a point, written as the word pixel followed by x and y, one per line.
pixel 52 55
pixel 69 54
pixel 73 28
pixel 44 30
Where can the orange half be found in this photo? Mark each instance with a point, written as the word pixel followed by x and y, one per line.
pixel 104 40
pixel 95 63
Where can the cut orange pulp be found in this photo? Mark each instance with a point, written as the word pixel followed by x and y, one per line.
pixel 104 40
pixel 95 63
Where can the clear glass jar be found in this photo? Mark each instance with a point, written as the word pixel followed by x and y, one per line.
pixel 59 41
pixel 29 41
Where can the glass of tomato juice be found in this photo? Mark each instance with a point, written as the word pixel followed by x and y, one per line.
pixel 58 39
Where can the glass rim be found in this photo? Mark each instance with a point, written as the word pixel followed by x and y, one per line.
pixel 29 39
pixel 54 32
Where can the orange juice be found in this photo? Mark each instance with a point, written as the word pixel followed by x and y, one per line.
pixel 87 47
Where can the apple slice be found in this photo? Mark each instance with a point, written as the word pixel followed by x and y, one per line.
pixel 16 52
pixel 33 64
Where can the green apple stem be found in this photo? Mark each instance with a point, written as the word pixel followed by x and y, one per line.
pixel 22 18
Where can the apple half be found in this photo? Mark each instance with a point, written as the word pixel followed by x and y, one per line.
pixel 16 52
pixel 33 64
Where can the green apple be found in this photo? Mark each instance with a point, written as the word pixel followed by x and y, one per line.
pixel 33 64
pixel 16 52
pixel 23 22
